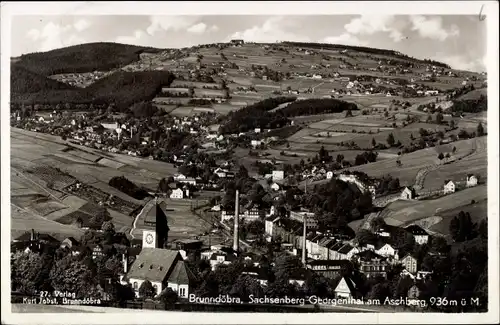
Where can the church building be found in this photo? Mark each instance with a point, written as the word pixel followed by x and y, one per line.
pixel 161 266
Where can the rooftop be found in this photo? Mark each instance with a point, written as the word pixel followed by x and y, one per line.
pixel 153 264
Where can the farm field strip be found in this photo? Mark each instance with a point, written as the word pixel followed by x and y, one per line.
pixel 23 220
pixel 405 212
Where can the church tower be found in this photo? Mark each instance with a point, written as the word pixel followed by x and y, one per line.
pixel 156 218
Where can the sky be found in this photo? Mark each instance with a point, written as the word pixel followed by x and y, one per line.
pixel 459 40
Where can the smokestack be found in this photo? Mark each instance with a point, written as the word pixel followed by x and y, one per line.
pixel 32 234
pixel 125 263
pixel 304 232
pixel 236 239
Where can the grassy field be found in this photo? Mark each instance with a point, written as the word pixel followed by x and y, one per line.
pixel 413 162
pixel 183 223
pixel 476 163
pixel 404 212
pixel 42 206
pixel 22 221
pixel 478 211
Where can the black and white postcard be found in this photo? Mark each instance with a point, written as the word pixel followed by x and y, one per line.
pixel 249 162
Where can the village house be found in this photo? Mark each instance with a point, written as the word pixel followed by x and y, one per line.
pixel 341 251
pixel 269 223
pixel 431 92
pixel 255 143
pixel 226 215
pixel 237 42
pixel 408 193
pixel 251 214
pixel 278 175
pixel 449 187
pixel 257 273
pixel 298 277
pixel 329 175
pixel 422 275
pixel 109 125
pixel 163 268
pixel 178 193
pixel 69 243
pixel 300 216
pixel 471 180
pixel 187 246
pixel 345 288
pixel 386 250
pixel 420 235
pixel 220 172
pixel 275 187
pixel 371 264
pixel 221 257
pixel 409 263
pixel 328 268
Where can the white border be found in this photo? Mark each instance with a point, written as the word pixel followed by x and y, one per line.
pixel 8 9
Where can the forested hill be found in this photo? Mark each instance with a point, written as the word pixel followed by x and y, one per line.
pixel 82 58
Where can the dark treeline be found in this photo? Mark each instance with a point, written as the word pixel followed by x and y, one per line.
pixel 365 50
pixel 82 58
pixel 121 88
pixel 258 115
pixel 316 106
pixel 471 105
pixel 127 187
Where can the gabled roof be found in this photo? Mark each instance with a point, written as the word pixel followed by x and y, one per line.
pixel 154 264
pixel 345 249
pixel 72 240
pixel 331 244
pixel 381 244
pixel 256 272
pixel 336 246
pixel 227 257
pixel 182 274
pixel 273 218
pixel 416 230
pixel 329 262
pixel 408 255
pixel 38 236
pixel 349 282
pixel 369 255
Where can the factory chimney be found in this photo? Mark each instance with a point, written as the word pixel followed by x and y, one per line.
pixel 304 231
pixel 236 239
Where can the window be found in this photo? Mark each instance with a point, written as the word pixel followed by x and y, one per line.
pixel 182 292
pixel 135 285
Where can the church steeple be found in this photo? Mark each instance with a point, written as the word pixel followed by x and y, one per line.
pixel 156 218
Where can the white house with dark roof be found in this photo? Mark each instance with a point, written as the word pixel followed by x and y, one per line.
pixel 449 187
pixel 408 193
pixel 163 268
pixel 345 288
pixel 471 180
pixel 386 250
pixel 410 263
pixel 420 235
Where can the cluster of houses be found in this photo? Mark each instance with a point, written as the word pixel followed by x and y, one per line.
pixel 327 252
pixel 449 187
pixel 81 130
pixel 81 79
